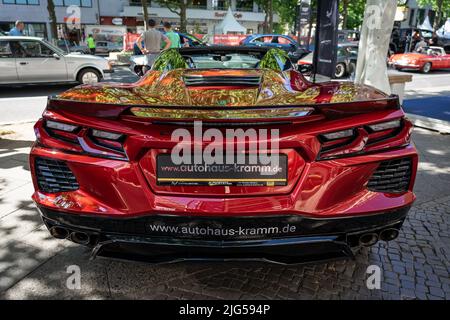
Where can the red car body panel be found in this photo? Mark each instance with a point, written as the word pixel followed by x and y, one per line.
pixel 324 181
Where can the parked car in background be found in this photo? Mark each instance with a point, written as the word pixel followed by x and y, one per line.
pixel 432 58
pixel 345 36
pixel 401 39
pixel 139 61
pixel 189 40
pixel 347 56
pixel 32 60
pixel 286 43
pixel 102 48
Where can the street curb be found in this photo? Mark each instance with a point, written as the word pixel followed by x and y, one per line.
pixel 18 122
pixel 440 126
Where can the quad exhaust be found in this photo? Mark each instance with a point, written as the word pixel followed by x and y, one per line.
pixel 389 234
pixel 368 239
pixel 80 238
pixel 59 232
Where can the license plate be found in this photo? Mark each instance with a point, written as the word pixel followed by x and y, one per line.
pixel 247 174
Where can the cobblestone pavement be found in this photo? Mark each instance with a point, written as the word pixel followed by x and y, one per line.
pixel 415 266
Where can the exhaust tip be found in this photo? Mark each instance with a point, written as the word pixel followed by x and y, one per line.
pixel 80 238
pixel 389 234
pixel 59 232
pixel 368 239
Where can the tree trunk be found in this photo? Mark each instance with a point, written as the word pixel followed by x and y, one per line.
pixel 53 22
pixel 183 20
pixel 437 21
pixel 145 12
pixel 345 13
pixel 270 26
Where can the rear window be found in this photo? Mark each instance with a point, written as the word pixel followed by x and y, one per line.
pixel 5 50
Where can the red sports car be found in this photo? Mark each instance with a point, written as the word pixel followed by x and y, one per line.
pixel 431 58
pixel 337 173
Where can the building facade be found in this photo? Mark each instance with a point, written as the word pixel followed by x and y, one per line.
pixel 203 16
pixel 35 15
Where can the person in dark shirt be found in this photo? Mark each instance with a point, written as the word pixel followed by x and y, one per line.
pixel 434 39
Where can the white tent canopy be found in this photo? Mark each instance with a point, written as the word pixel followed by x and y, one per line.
pixel 229 24
pixel 444 31
pixel 426 25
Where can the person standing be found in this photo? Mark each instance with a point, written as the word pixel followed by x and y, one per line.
pixel 91 44
pixel 151 40
pixel 18 29
pixel 173 36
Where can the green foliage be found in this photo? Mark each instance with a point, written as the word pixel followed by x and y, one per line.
pixel 355 13
pixel 442 7
pixel 274 59
pixel 286 10
pixel 169 60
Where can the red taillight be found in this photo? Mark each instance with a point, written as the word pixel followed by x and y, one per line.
pixel 368 138
pixel 71 137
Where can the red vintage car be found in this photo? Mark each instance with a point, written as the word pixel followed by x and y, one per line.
pixel 107 172
pixel 431 58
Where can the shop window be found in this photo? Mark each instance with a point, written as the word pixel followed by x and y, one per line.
pixel 67 3
pixel 5 50
pixel 22 2
pixel 244 5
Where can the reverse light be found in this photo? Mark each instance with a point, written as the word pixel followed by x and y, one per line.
pixel 60 126
pixel 106 135
pixel 385 125
pixel 339 134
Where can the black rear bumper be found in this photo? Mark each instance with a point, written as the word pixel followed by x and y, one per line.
pixel 313 240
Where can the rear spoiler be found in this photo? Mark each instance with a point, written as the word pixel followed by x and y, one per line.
pixel 249 113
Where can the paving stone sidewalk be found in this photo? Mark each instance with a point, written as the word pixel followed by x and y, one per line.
pixel 34 266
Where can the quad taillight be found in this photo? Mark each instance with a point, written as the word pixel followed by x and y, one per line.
pixel 365 139
pixel 93 141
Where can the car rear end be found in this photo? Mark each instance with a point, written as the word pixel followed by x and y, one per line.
pixel 104 177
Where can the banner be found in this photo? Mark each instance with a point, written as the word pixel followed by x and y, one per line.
pixel 325 53
pixel 303 21
pixel 228 39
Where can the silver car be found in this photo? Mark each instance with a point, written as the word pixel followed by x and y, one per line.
pixel 32 60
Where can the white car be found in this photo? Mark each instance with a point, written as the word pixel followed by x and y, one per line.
pixel 26 60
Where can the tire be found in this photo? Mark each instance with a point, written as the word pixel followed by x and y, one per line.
pixel 351 68
pixel 89 76
pixel 426 67
pixel 340 71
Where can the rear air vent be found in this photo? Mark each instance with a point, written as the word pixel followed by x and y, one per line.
pixel 192 81
pixel 54 176
pixel 392 176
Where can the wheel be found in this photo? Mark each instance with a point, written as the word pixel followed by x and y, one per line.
pixel 351 68
pixel 426 67
pixel 340 70
pixel 88 76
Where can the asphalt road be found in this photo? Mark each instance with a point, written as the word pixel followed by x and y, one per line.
pixel 26 103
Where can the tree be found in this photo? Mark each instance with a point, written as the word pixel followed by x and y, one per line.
pixel 53 22
pixel 178 7
pixel 352 13
pixel 145 12
pixel 442 8
pixel 268 8
pixel 285 10
pixel 344 11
